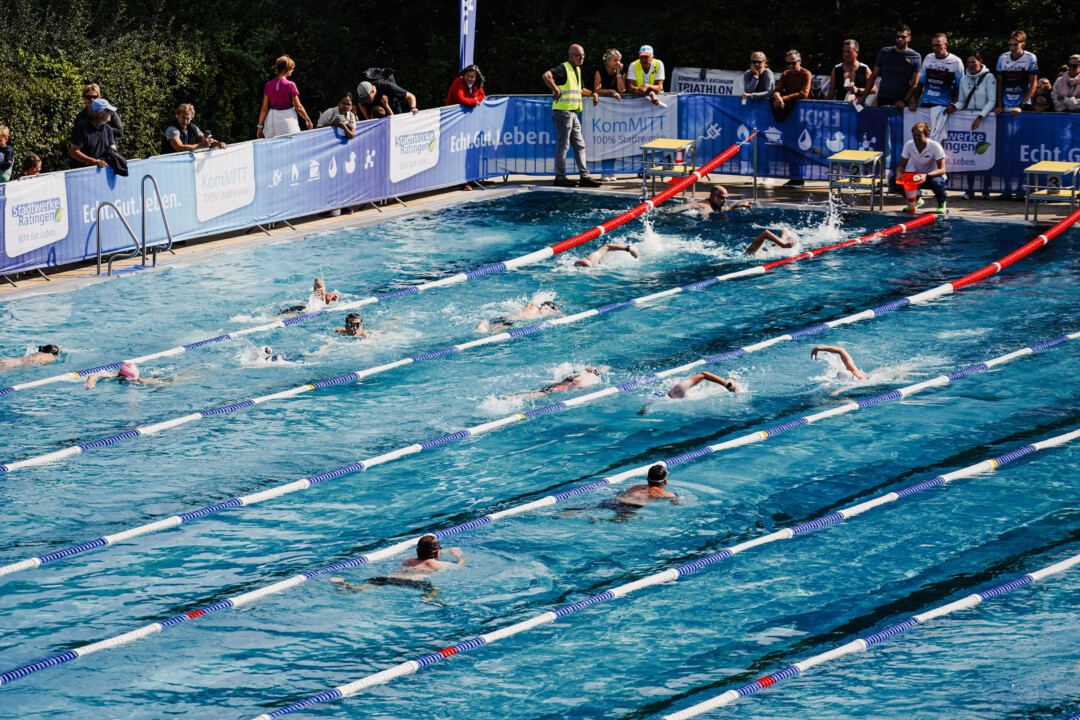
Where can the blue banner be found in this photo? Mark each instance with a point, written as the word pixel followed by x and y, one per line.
pixel 467 25
pixel 51 219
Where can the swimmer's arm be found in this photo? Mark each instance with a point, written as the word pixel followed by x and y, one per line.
pixel 730 386
pixel 91 380
pixel 743 204
pixel 458 556
pixel 783 237
pixel 672 497
pixel 844 356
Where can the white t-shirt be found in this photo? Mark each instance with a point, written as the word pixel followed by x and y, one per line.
pixel 327 118
pixel 940 76
pixel 925 161
pixel 631 73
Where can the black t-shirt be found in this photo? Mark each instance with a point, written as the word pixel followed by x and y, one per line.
pixel 92 141
pixel 394 92
pixel 608 81
pixel 558 74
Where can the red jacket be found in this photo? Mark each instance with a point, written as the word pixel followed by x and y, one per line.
pixel 459 94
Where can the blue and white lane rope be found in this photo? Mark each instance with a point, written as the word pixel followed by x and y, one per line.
pixel 826 521
pixel 362 465
pixel 865 643
pixel 512 264
pixel 411 666
pixel 155 428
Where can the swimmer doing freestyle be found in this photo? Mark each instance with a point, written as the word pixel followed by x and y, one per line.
pixel 320 293
pixel 531 311
pixel 594 258
pixel 426 563
pixel 45 355
pixel 590 376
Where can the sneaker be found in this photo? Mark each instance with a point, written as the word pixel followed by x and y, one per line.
pixel 942 208
pixel 608 178
pixel 918 204
pixel 589 183
pixel 1005 196
pixel 564 182
pixel 793 182
pixel 968 196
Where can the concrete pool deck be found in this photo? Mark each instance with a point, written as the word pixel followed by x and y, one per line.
pixel 77 275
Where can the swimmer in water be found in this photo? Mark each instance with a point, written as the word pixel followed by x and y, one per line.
pixel 354 326
pixel 716 202
pixel 590 376
pixel 596 256
pixel 319 290
pixel 769 235
pixel 852 372
pixel 636 497
pixel 679 391
pixel 45 355
pixel 266 354
pixel 128 373
pixel 531 311
pixel 425 563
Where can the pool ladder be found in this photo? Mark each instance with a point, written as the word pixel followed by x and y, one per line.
pixel 138 248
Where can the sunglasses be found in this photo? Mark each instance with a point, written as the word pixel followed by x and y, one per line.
pixel 91 97
pixel 757 62
pixel 902 37
pixel 1074 65
pixel 796 62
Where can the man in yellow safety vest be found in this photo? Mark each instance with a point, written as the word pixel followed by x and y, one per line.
pixel 564 81
pixel 645 76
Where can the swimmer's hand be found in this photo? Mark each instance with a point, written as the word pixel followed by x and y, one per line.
pixel 743 204
pixel 632 251
pixel 91 381
pixel 732 387
pixel 456 552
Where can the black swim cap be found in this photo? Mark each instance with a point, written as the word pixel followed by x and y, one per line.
pixel 51 349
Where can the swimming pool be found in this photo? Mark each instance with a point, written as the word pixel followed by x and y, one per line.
pixel 657 651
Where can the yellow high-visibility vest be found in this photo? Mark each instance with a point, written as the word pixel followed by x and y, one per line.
pixel 639 75
pixel 570 97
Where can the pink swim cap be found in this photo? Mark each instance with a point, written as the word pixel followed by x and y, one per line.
pixel 130 371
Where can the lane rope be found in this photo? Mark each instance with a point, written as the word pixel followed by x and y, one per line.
pixel 865 643
pixel 159 427
pixel 533 257
pixel 551 500
pixel 674 574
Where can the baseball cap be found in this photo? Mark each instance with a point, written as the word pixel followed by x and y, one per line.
pixel 645 50
pixel 365 91
pixel 102 104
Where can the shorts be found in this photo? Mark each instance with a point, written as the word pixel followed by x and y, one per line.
pixel 620 507
pixel 423 585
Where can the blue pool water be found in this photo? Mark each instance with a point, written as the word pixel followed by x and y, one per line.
pixel 653 652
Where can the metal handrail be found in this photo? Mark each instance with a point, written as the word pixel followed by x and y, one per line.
pixel 118 254
pixel 164 217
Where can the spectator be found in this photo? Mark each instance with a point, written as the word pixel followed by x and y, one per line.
pixel 758 81
pixel 898 69
pixel 1043 87
pixel 793 85
pixel 1041 103
pixel 380 97
pixel 609 79
pixel 564 81
pixel 340 116
pixel 467 90
pixel 939 79
pixel 1017 73
pixel 281 103
pixel 91 93
pixel 93 137
pixel 184 136
pixel 978 93
pixel 1066 92
pixel 849 78
pixel 7 155
pixel 645 76
pixel 922 165
pixel 31 165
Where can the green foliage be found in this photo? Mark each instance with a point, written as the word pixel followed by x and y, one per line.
pixel 216 54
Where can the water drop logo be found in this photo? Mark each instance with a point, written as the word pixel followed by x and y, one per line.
pixel 805 141
pixel 350 164
pixel 743 132
pixel 332 169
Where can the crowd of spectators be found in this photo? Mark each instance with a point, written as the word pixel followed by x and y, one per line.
pixel 899 77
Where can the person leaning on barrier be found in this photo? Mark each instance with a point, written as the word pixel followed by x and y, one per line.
pixel 281 108
pixel 31 165
pixel 340 116
pixel 1066 92
pixel 1017 74
pixel 467 90
pixel 758 81
pixel 939 79
pixel 184 136
pixel 897 68
pixel 564 81
pixel 379 97
pixel 645 76
pixel 91 93
pixel 977 93
pixel 93 138
pixel 793 85
pixel 609 79
pixel 849 78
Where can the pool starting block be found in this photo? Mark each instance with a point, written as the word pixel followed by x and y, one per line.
pixel 858 171
pixel 1050 181
pixel 667 157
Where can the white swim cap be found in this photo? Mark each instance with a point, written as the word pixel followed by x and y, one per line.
pixel 266 350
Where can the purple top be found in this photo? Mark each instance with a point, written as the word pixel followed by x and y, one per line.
pixel 281 91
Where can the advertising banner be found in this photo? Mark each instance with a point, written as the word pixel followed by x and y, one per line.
pixel 614 129
pixel 966 150
pixel 414 144
pixel 467 25
pixel 703 81
pixel 224 181
pixel 35 214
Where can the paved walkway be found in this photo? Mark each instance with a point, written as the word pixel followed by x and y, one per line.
pixel 71 276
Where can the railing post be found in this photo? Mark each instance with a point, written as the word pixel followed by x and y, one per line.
pixel 754 161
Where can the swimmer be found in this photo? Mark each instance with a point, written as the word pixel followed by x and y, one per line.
pixel 596 256
pixel 768 235
pixel 319 290
pixel 852 372
pixel 636 497
pixel 266 354
pixel 129 372
pixel 529 312
pixel 679 391
pixel 354 326
pixel 45 354
pixel 717 200
pixel 425 563
pixel 590 376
